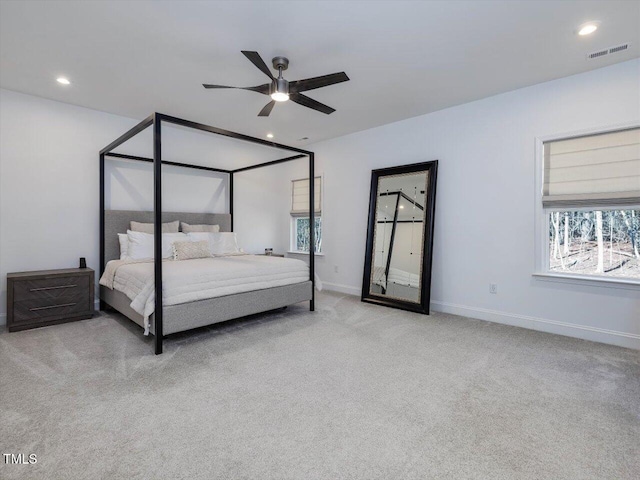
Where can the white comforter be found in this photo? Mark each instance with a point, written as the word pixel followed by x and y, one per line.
pixel 191 280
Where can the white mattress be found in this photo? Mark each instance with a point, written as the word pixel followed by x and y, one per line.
pixel 200 279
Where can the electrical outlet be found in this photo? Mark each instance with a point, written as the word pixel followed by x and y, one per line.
pixel 335 269
pixel 493 288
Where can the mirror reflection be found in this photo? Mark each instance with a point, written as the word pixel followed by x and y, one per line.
pixel 399 237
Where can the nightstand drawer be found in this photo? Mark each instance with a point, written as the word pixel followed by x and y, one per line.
pixel 50 288
pixel 49 297
pixel 40 308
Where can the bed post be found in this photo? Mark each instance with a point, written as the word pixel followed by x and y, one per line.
pixel 103 305
pixel 157 228
pixel 231 198
pixel 312 225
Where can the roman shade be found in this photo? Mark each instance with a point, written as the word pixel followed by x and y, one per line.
pixel 300 197
pixel 595 170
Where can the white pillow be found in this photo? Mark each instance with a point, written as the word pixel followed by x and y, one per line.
pixel 141 244
pixel 124 246
pixel 220 243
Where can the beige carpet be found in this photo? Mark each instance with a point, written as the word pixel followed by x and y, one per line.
pixel 352 391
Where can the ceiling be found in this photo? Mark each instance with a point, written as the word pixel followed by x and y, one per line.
pixel 404 58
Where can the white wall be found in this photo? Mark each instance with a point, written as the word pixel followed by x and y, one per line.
pixel 49 183
pixel 485 179
pixel 262 202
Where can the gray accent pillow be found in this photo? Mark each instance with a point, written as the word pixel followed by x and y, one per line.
pixel 186 228
pixel 169 227
pixel 190 250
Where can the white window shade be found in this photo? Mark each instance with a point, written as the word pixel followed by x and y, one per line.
pixel 300 196
pixel 595 170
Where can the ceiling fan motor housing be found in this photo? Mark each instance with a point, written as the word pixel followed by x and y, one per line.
pixel 280 85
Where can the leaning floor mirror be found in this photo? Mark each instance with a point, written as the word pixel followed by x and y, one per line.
pixel 397 267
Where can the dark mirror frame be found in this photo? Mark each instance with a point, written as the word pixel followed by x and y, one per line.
pixel 427 246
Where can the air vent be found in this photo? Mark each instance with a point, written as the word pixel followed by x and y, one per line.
pixel 608 51
pixel 599 53
pixel 619 48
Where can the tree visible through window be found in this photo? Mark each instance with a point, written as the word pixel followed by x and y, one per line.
pixel 302 234
pixel 597 242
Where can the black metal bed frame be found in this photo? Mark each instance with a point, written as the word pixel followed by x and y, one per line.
pixel 156 119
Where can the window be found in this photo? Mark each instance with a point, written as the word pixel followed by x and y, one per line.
pixel 301 233
pixel 591 204
pixel 300 215
pixel 595 242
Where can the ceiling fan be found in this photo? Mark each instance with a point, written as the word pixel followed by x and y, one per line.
pixel 282 90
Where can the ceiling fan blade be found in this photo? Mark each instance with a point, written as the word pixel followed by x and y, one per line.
pixel 317 82
pixel 264 89
pixel 310 103
pixel 256 59
pixel 266 110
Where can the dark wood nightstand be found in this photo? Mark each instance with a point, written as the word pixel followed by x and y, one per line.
pixel 49 297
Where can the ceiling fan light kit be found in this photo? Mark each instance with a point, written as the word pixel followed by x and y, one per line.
pixel 281 90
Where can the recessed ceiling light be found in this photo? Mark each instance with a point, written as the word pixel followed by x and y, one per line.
pixel 588 28
pixel 63 81
pixel 401 206
pixel 269 135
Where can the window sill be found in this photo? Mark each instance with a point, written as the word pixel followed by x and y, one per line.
pixel 624 283
pixel 305 253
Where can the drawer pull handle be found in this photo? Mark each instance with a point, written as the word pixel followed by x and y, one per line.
pixel 52 306
pixel 51 288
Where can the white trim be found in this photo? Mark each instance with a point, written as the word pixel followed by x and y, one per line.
pixel 338 287
pixel 594 334
pixel 541 215
pixel 321 254
pixel 593 280
pixel 588 131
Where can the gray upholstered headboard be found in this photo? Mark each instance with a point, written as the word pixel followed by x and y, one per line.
pixel 117 221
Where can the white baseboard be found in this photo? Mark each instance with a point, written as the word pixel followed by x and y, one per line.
pixel 337 287
pixel 602 335
pixel 594 334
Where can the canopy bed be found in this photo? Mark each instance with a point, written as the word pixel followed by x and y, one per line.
pixel 196 291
